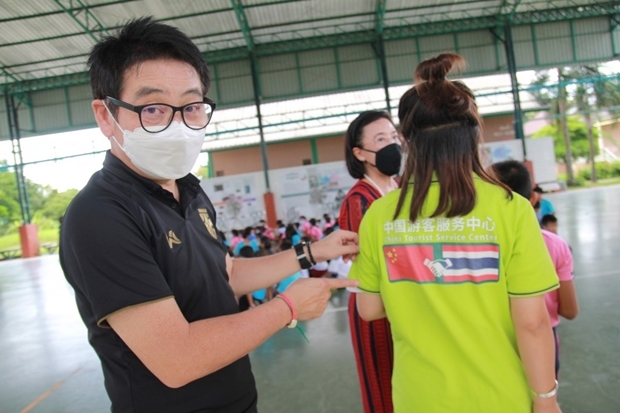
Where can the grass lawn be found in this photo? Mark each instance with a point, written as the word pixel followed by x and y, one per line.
pixel 12 240
pixel 598 183
pixel 603 182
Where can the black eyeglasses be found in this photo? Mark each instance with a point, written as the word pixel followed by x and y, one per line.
pixel 156 117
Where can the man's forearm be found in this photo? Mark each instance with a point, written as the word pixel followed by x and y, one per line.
pixel 252 274
pixel 247 275
pixel 178 352
pixel 232 337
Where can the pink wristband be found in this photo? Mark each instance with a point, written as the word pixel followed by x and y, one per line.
pixel 288 302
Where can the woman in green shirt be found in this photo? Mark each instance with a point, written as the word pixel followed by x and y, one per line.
pixel 458 265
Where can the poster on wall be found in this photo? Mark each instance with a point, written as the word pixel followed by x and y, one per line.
pixel 236 200
pixel 493 152
pixel 540 152
pixel 313 190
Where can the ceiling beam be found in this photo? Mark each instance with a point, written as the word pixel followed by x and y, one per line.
pixel 47 83
pixel 83 17
pixel 190 15
pixel 243 24
pixel 53 12
pixel 8 75
pixel 391 32
pixel 514 10
pixel 380 16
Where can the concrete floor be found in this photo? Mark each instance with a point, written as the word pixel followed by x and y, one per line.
pixel 47 366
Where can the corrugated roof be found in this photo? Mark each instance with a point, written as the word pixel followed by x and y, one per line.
pixel 39 39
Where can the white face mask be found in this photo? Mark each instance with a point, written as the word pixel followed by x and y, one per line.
pixel 169 154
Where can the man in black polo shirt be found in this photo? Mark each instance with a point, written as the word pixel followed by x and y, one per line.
pixel 139 243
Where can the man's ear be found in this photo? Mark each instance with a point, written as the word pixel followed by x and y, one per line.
pixel 357 152
pixel 103 118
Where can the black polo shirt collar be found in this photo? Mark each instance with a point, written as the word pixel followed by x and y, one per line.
pixel 116 167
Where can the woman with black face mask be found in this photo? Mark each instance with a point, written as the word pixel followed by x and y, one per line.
pixel 373 155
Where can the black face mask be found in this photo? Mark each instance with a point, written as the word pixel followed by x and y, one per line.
pixel 388 159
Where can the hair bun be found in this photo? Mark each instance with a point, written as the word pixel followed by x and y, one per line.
pixel 437 68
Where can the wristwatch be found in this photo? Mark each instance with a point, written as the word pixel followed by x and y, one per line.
pixel 304 262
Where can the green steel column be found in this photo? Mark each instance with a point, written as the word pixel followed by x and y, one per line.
pixel 380 49
pixel 68 106
pixel 257 99
pixel 210 168
pixel 573 40
pixel 534 44
pixel 337 62
pixel 613 25
pixel 512 70
pixel 315 152
pixel 418 53
pixel 215 81
pixel 384 75
pixel 298 69
pixel 237 6
pixel 14 134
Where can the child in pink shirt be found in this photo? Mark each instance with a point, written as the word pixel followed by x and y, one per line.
pixel 563 301
pixel 563 262
pixel 314 232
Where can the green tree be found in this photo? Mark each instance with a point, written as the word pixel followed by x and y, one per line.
pixel 47 205
pixel 585 89
pixel 203 172
pixel 555 97
pixel 593 92
pixel 578 133
pixel 9 205
pixel 57 203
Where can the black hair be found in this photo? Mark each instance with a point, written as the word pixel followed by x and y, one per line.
pixel 140 40
pixel 266 242
pixel 290 231
pixel 286 244
pixel 234 232
pixel 440 121
pixel 538 190
pixel 247 232
pixel 312 222
pixel 548 219
pixel 246 252
pixel 515 176
pixel 353 139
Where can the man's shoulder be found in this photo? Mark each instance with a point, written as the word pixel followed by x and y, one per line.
pixel 99 189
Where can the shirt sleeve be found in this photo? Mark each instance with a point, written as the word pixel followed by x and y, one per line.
pixel 106 256
pixel 352 211
pixel 367 265
pixel 564 264
pixel 530 270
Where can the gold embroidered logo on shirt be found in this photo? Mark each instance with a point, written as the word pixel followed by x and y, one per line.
pixel 172 239
pixel 204 215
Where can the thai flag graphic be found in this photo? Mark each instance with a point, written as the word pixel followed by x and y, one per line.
pixel 443 263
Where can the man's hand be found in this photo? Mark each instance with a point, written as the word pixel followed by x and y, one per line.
pixel 310 295
pixel 338 243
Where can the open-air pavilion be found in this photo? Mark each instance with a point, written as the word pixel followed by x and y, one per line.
pixel 266 51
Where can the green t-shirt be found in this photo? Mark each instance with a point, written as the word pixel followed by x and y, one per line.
pixel 446 283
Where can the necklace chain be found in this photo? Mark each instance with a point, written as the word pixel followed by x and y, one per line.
pixel 373 183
